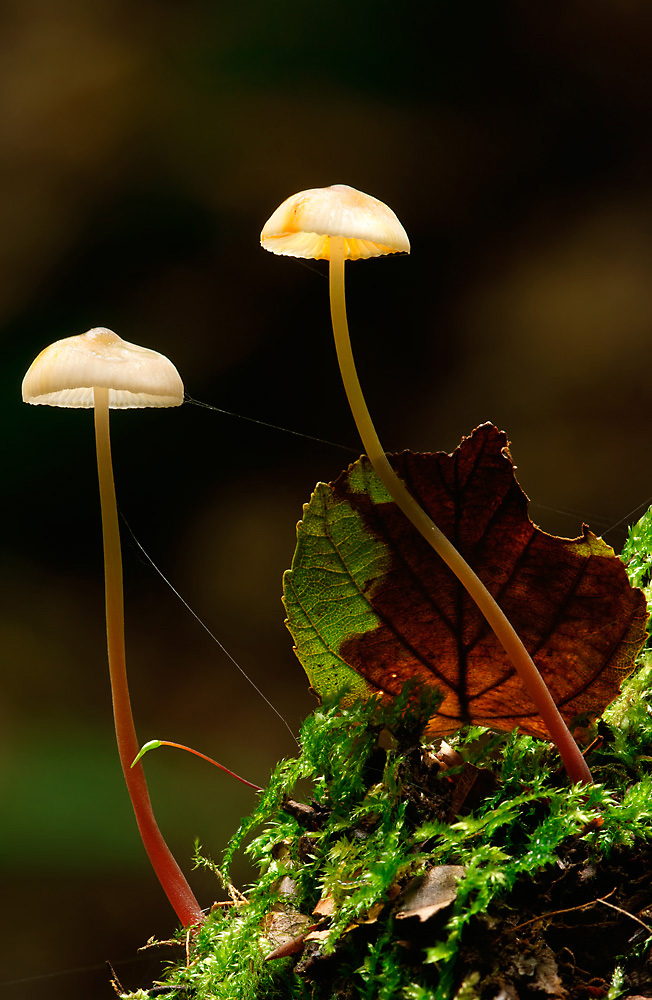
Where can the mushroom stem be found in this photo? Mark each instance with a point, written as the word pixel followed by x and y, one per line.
pixel 522 662
pixel 167 870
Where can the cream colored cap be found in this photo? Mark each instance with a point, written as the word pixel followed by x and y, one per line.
pixel 65 372
pixel 303 225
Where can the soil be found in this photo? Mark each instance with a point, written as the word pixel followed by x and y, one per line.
pixel 560 934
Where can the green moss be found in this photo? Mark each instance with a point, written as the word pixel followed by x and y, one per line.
pixel 376 816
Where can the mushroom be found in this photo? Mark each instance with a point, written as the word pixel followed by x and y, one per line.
pixel 339 223
pixel 98 369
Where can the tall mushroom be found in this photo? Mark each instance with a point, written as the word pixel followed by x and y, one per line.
pixel 339 223
pixel 98 369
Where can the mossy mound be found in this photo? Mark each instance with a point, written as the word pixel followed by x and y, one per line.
pixel 470 870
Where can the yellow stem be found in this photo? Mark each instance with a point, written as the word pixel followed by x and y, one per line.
pixel 167 870
pixel 522 661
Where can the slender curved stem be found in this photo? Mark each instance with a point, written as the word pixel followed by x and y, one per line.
pixel 167 870
pixel 155 744
pixel 522 661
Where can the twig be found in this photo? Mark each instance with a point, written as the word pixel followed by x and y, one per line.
pixel 571 909
pixel 115 982
pixel 626 913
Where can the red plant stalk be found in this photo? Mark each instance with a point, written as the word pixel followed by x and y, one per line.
pixel 154 744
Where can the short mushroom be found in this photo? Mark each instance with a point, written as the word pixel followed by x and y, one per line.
pixel 98 369
pixel 337 224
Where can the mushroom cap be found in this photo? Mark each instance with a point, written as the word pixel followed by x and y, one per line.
pixel 65 373
pixel 303 225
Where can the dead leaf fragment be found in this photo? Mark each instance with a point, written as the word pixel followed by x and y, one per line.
pixel 325 907
pixel 283 924
pixel 317 936
pixel 286 929
pixel 430 893
pixel 448 757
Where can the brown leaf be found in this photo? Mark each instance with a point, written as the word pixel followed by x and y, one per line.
pixel 325 907
pixel 569 599
pixel 317 936
pixel 430 893
pixel 286 929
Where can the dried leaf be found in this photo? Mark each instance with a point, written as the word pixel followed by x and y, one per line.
pixel 430 893
pixel 370 605
pixel 286 929
pixel 325 907
pixel 317 936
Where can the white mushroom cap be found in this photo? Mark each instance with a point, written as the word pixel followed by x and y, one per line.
pixel 65 373
pixel 303 225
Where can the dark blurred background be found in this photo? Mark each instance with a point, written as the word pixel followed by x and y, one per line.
pixel 142 147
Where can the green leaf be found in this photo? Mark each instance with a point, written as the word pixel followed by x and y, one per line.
pixel 328 589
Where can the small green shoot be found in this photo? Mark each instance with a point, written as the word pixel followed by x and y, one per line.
pixel 155 744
